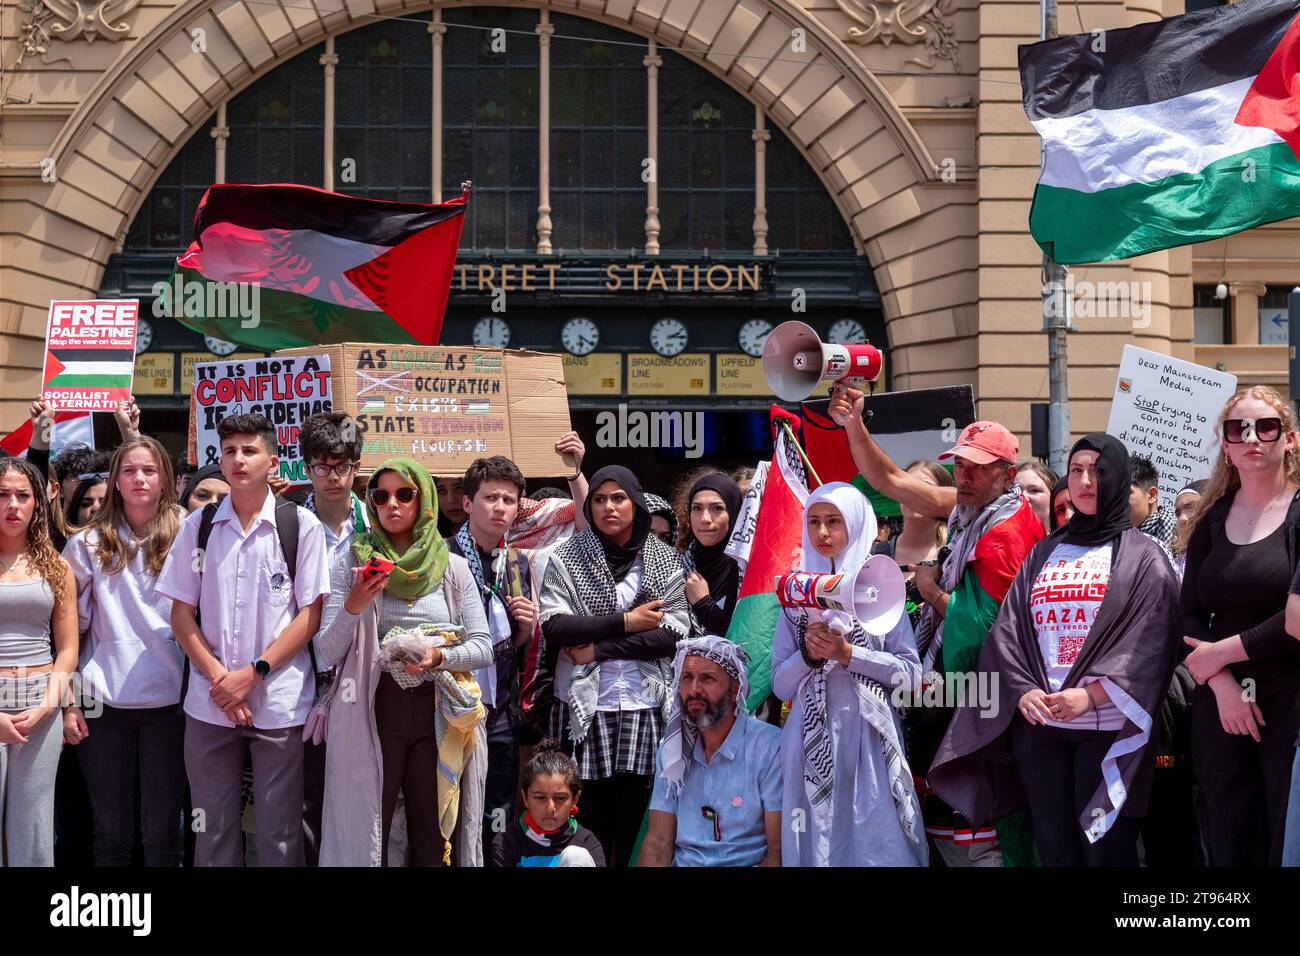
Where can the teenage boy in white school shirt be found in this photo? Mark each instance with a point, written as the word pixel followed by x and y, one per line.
pixel 251 684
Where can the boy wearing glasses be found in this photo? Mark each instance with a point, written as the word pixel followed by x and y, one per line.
pixel 330 444
pixel 244 616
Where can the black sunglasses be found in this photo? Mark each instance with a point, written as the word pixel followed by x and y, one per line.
pixel 1239 430
pixel 380 497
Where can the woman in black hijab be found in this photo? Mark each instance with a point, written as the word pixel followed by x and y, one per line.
pixel 1059 505
pixel 205 486
pixel 713 577
pixel 1081 654
pixel 613 607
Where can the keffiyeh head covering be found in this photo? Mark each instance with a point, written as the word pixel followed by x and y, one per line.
pixel 659 508
pixel 420 569
pixel 679 734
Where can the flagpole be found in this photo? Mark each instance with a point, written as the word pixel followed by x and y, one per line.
pixel 1056 322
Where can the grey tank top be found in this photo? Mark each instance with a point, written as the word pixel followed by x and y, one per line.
pixel 25 609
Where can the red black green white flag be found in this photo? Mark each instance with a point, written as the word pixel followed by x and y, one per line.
pixel 1166 133
pixel 284 266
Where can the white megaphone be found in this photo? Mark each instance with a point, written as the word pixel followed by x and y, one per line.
pixel 876 595
pixel 795 360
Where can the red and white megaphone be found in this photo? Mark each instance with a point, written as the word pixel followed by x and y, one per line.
pixel 876 595
pixel 795 361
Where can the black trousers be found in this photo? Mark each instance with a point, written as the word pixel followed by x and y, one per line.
pixel 613 810
pixel 409 749
pixel 501 785
pixel 313 798
pixel 1061 771
pixel 122 743
pixel 1245 784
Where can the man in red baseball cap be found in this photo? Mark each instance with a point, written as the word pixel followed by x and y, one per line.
pixel 991 529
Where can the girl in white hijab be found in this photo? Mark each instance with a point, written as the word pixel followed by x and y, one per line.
pixel 848 795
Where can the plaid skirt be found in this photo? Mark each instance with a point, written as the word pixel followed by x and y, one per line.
pixel 618 741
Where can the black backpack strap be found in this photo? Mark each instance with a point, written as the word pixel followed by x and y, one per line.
pixel 205 532
pixel 286 526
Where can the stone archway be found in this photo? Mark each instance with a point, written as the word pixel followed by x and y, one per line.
pixel 147 105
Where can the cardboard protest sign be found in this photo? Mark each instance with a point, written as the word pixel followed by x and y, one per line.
pixel 909 425
pixel 1164 409
pixel 90 354
pixel 445 406
pixel 287 390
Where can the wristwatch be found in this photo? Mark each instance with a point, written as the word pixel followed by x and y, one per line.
pixel 262 668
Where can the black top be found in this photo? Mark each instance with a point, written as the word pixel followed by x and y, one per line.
pixel 502 713
pixel 1242 589
pixel 515 847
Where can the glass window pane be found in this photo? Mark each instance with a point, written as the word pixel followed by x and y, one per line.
pixel 384 102
pixel 631 220
pixel 490 97
pixel 706 220
pixel 490 227
pixel 738 212
pixel 597 220
pixel 706 159
pixel 629 154
pixel 814 220
pixel 165 218
pixel 457 159
pixel 491 162
pixel 523 96
pixel 565 225
pixel 417 97
pixel 415 159
pixel 523 157
pixel 350 88
pixel 276 156
pixel 673 226
pixel 597 158
pixel 523 220
pixel 674 158
pixel 309 156
pixel 566 161
pixel 781 211
pixel 566 97
pixel 457 96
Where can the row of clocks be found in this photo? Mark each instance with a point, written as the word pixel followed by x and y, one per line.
pixel 144 339
pixel 668 337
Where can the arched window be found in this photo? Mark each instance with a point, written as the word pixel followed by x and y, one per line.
pixel 490 84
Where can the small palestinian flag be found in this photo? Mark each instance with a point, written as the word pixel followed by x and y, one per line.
pixel 1166 133
pixel 285 266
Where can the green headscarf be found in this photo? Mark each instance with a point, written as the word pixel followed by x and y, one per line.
pixel 420 569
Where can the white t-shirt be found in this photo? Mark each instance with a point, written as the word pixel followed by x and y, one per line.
pixel 1063 604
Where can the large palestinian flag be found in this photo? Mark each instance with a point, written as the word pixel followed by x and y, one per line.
pixel 766 542
pixel 325 267
pixel 1166 133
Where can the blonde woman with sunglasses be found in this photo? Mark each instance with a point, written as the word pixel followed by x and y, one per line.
pixel 1241 544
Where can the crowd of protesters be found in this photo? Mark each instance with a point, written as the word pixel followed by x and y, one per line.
pixel 431 670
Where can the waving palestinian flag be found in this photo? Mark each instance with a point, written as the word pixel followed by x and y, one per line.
pixel 766 542
pixel 1166 133
pixel 326 267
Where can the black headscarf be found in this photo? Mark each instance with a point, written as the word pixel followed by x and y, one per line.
pixel 204 473
pixel 1062 484
pixel 620 557
pixel 712 562
pixel 1113 517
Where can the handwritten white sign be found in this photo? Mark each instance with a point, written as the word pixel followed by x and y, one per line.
pixel 1165 409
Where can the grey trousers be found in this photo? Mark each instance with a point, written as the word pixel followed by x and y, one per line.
pixel 214 763
pixel 27 773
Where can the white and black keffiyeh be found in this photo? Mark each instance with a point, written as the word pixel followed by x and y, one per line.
pixel 578 581
pixel 962 540
pixel 680 735
pixel 874 707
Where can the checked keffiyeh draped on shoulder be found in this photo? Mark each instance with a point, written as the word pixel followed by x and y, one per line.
pixel 873 699
pixel 582 578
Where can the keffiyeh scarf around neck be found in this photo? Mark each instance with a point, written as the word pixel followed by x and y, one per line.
pixel 873 699
pixel 961 543
pixel 579 582
pixel 680 734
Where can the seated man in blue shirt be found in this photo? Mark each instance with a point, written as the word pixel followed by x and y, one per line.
pixel 717 796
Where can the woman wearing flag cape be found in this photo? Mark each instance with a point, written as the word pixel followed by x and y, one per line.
pixel 848 796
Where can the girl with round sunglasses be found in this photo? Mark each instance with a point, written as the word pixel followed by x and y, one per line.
pixel 1241 564
pixel 401 573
